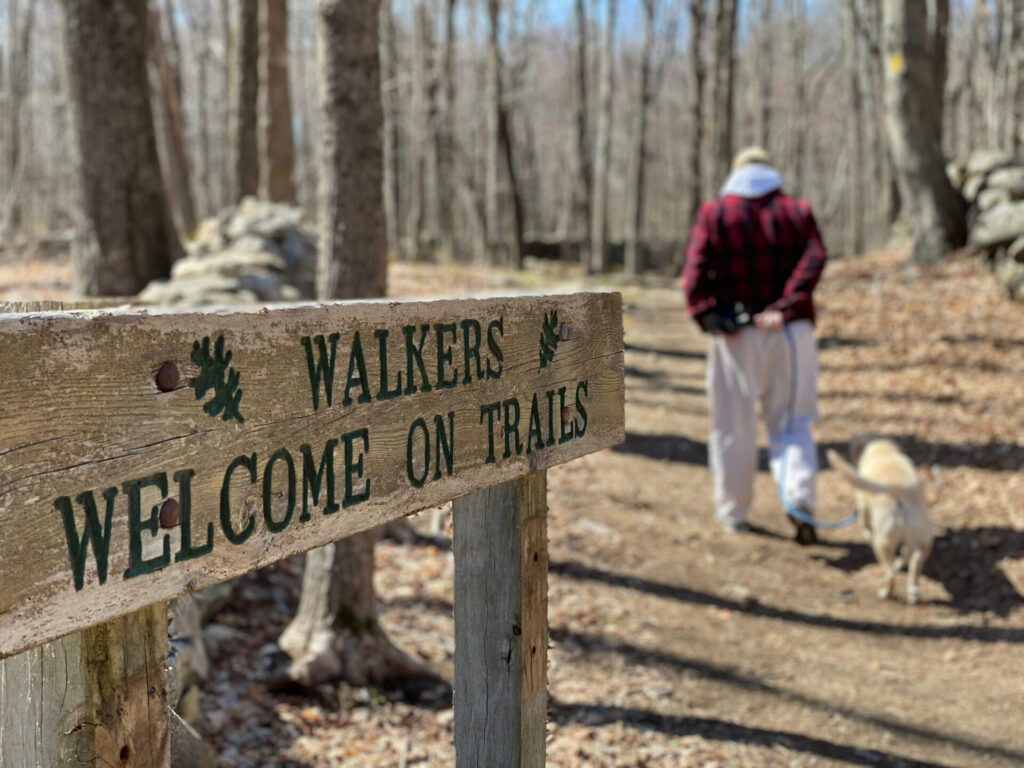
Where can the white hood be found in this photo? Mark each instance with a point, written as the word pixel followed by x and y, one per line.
pixel 752 181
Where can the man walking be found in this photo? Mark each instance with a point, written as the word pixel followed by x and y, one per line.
pixel 754 258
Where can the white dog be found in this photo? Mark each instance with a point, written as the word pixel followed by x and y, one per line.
pixel 892 509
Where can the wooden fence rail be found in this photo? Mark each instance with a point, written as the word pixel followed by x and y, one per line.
pixel 145 454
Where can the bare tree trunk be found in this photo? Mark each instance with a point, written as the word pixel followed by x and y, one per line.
pixel 173 55
pixel 855 130
pixel 423 208
pixel 913 118
pixel 501 169
pixel 1015 80
pixel 389 67
pixel 723 86
pixel 515 246
pixel 979 76
pixel 245 169
pixel 633 254
pixel 125 236
pixel 602 151
pixel 204 23
pixel 995 55
pixel 446 155
pixel 695 59
pixel 418 137
pixel 352 235
pixel 229 44
pixel 335 632
pixel 492 190
pixel 431 128
pixel 889 196
pixel 583 188
pixel 276 144
pixel 764 75
pixel 695 66
pixel 798 46
pixel 171 130
pixel 18 77
pixel 306 171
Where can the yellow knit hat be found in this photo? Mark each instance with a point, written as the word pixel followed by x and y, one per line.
pixel 751 156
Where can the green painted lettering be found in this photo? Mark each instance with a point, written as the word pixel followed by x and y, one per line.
pixel 236 537
pixel 495 348
pixel 511 428
pixel 535 429
pixel 564 436
pixel 471 349
pixel 268 491
pixel 384 393
pixel 444 442
pixel 354 466
pixel 313 478
pixel 417 482
pixel 133 490
pixel 323 369
pixel 357 362
pixel 414 353
pixel 551 417
pixel 93 531
pixel 444 356
pixel 580 429
pixel 490 411
pixel 188 552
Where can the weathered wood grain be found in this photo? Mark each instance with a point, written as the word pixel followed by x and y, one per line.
pixel 96 697
pixel 81 416
pixel 501 631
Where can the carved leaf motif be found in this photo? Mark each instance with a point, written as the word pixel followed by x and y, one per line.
pixel 215 374
pixel 548 338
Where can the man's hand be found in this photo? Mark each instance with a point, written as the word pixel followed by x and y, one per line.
pixel 769 320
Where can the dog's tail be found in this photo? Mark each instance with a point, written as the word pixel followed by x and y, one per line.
pixel 910 492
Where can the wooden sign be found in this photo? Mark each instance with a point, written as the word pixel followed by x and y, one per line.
pixel 147 454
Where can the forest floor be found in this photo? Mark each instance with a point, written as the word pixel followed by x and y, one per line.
pixel 675 643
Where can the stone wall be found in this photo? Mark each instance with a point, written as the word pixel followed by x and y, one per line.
pixel 992 183
pixel 252 252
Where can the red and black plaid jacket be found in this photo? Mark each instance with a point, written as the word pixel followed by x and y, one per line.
pixel 766 252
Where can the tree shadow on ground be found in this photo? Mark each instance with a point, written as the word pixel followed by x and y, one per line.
pixel 662 382
pixel 966 561
pixel 685 354
pixel 984 366
pixel 898 397
pixel 751 606
pixel 722 730
pixel 977 338
pixel 592 644
pixel 843 342
pixel 995 456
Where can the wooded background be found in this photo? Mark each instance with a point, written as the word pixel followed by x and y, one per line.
pixel 520 126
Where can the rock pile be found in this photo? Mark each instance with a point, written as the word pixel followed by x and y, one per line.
pixel 992 183
pixel 255 251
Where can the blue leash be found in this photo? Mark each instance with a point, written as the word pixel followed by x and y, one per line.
pixel 787 436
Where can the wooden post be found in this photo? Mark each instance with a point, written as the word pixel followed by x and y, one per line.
pixel 501 630
pixel 93 698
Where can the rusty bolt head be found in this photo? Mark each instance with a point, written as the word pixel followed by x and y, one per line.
pixel 169 514
pixel 563 332
pixel 167 377
pixel 565 415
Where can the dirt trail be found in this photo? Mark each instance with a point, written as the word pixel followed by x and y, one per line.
pixel 676 644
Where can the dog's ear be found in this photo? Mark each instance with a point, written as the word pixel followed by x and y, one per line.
pixel 858 444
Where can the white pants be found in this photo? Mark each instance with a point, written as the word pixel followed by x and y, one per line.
pixel 754 366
